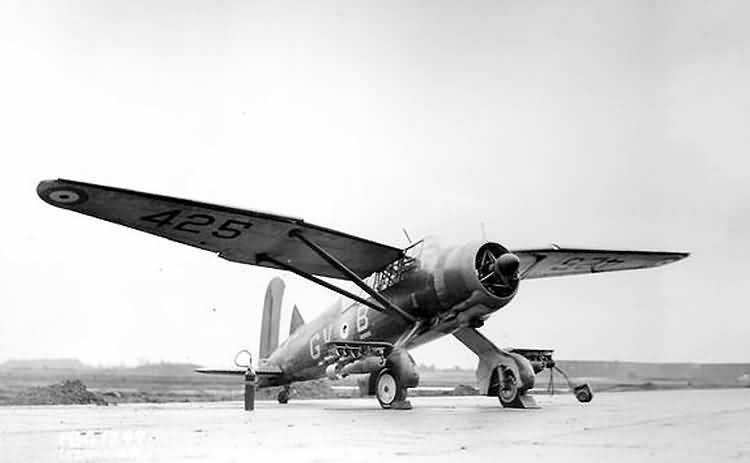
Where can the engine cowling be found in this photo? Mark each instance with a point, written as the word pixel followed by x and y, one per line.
pixel 484 273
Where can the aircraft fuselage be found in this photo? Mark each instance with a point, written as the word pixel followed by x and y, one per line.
pixel 441 286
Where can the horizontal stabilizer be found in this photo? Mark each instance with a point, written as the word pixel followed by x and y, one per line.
pixel 265 370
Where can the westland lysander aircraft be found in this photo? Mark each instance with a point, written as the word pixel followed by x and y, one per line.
pixel 410 296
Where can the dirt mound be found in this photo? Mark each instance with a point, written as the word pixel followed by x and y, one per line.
pixel 65 393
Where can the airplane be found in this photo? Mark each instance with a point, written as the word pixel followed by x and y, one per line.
pixel 408 296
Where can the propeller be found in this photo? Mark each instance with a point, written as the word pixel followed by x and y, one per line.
pixel 498 271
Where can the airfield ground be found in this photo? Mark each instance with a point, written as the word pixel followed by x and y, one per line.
pixel 682 425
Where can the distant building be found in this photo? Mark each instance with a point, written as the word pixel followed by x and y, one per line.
pixel 43 364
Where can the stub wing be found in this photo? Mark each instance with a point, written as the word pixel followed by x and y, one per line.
pixel 234 234
pixel 351 351
pixel 357 349
pixel 553 262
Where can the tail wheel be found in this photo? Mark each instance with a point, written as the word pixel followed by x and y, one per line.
pixel 583 393
pixel 283 396
pixel 388 390
pixel 508 391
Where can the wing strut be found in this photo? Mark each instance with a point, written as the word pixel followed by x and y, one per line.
pixel 385 304
pixel 316 280
pixel 353 277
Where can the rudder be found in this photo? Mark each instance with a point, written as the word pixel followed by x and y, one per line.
pixel 269 330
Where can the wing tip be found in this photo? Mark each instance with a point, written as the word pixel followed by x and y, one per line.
pixel 678 256
pixel 60 193
pixel 43 186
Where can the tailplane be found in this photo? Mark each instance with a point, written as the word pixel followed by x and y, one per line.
pixel 269 331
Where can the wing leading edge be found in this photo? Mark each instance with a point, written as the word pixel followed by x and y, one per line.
pixel 553 262
pixel 234 234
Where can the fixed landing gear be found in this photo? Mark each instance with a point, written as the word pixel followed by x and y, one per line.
pixel 390 393
pixel 283 396
pixel 503 374
pixel 509 389
pixel 390 383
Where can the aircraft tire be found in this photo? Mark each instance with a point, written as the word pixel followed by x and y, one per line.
pixel 283 396
pixel 583 393
pixel 508 393
pixel 388 389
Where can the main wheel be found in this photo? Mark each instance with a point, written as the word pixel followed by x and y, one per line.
pixel 508 392
pixel 283 396
pixel 388 390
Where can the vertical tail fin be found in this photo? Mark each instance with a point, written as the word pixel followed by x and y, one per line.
pixel 269 331
pixel 296 322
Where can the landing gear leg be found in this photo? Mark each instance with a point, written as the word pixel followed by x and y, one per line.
pixel 283 396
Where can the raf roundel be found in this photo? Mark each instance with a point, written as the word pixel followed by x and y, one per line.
pixel 66 196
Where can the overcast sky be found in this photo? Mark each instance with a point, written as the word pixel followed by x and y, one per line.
pixel 601 124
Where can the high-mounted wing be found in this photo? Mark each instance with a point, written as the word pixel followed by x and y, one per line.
pixel 543 263
pixel 234 234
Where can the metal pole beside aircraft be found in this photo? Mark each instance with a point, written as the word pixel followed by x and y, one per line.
pixel 250 377
pixel 249 389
